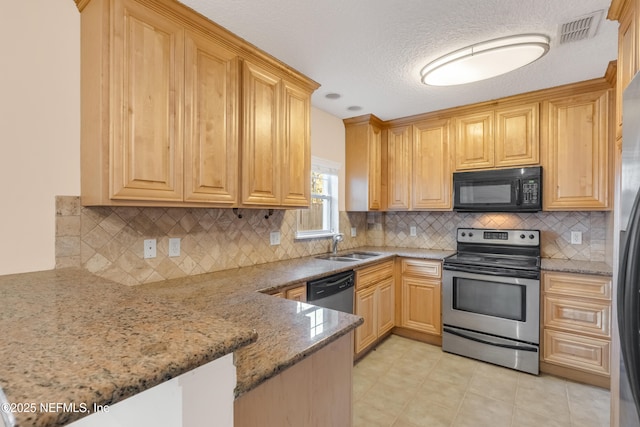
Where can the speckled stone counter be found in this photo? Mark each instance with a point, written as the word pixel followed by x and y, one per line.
pixel 570 266
pixel 69 336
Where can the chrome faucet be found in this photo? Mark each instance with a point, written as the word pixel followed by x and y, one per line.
pixel 334 245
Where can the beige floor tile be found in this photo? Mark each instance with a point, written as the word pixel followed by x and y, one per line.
pixel 444 394
pixel 589 406
pixel 546 396
pixel 524 418
pixel 420 413
pixel 495 382
pixel 387 398
pixel 482 411
pixel 406 383
pixel 361 384
pixel 365 415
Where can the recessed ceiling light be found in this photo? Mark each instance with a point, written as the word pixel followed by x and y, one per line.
pixel 485 60
pixel 354 108
pixel 332 95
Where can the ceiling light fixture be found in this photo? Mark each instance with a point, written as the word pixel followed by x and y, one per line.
pixel 485 60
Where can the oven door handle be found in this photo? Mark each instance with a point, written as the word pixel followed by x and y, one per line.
pixel 522 347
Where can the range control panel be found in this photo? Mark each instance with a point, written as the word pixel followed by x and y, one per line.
pixel 499 237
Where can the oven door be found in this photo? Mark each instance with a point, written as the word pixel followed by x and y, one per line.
pixel 502 306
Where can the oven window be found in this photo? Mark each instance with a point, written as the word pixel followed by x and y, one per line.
pixel 485 193
pixel 490 298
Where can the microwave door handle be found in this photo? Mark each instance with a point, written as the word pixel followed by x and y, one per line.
pixel 518 193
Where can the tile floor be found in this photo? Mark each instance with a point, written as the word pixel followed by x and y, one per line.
pixel 405 383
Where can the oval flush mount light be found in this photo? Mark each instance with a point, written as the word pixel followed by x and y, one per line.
pixel 485 60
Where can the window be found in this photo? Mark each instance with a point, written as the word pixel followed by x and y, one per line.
pixel 321 219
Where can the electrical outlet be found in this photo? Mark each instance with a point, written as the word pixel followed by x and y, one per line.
pixel 354 231
pixel 174 246
pixel 576 237
pixel 274 238
pixel 413 231
pixel 150 248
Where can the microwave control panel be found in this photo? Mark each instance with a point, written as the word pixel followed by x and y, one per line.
pixel 530 191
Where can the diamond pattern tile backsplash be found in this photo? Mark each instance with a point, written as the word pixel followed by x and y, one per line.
pixel 437 230
pixel 108 241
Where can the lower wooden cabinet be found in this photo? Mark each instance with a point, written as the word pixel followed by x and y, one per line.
pixel 375 302
pixel 421 303
pixel 297 294
pixel 576 317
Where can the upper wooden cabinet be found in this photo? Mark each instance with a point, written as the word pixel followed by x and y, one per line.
pixel 431 183
pixel 576 145
pixel 474 140
pixel 160 120
pixel 627 13
pixel 399 171
pixel 418 166
pixel 364 163
pixel 504 137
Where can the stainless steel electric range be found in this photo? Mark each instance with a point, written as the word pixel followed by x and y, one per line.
pixel 491 297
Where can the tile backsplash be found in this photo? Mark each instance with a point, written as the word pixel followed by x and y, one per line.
pixel 437 230
pixel 108 241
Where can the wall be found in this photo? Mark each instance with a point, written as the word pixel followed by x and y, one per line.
pixel 327 142
pixel 39 126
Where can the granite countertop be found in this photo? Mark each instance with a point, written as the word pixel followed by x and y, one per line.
pixel 570 266
pixel 71 337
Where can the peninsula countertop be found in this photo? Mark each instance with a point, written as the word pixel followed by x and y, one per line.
pixel 69 336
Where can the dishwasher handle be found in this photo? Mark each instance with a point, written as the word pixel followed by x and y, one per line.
pixel 328 286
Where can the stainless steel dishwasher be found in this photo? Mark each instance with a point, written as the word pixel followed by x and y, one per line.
pixel 334 292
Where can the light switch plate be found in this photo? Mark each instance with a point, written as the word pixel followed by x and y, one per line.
pixel 274 238
pixel 354 232
pixel 150 248
pixel 413 231
pixel 576 237
pixel 174 246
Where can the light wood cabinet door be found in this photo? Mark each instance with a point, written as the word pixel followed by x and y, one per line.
pixel 295 167
pixel 576 176
pixel 474 140
pixel 628 61
pixel 261 136
pixel 147 102
pixel 363 163
pixel 431 181
pixel 399 168
pixel 375 168
pixel 517 140
pixel 421 305
pixel 386 305
pixel 297 294
pixel 367 333
pixel 211 121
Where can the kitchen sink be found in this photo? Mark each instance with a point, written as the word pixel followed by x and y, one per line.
pixel 350 256
pixel 359 255
pixel 336 258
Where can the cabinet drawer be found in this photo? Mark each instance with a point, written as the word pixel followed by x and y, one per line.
pixel 578 352
pixel 370 275
pixel 591 317
pixel 578 285
pixel 422 268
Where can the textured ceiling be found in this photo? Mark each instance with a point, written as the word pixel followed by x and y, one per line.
pixel 371 51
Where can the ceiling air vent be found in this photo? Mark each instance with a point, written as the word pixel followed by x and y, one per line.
pixel 580 28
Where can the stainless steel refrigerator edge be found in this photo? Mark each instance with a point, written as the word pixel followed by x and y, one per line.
pixel 625 207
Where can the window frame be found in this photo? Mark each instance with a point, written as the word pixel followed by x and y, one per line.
pixel 331 169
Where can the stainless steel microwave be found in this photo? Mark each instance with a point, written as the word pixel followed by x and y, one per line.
pixel 500 190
